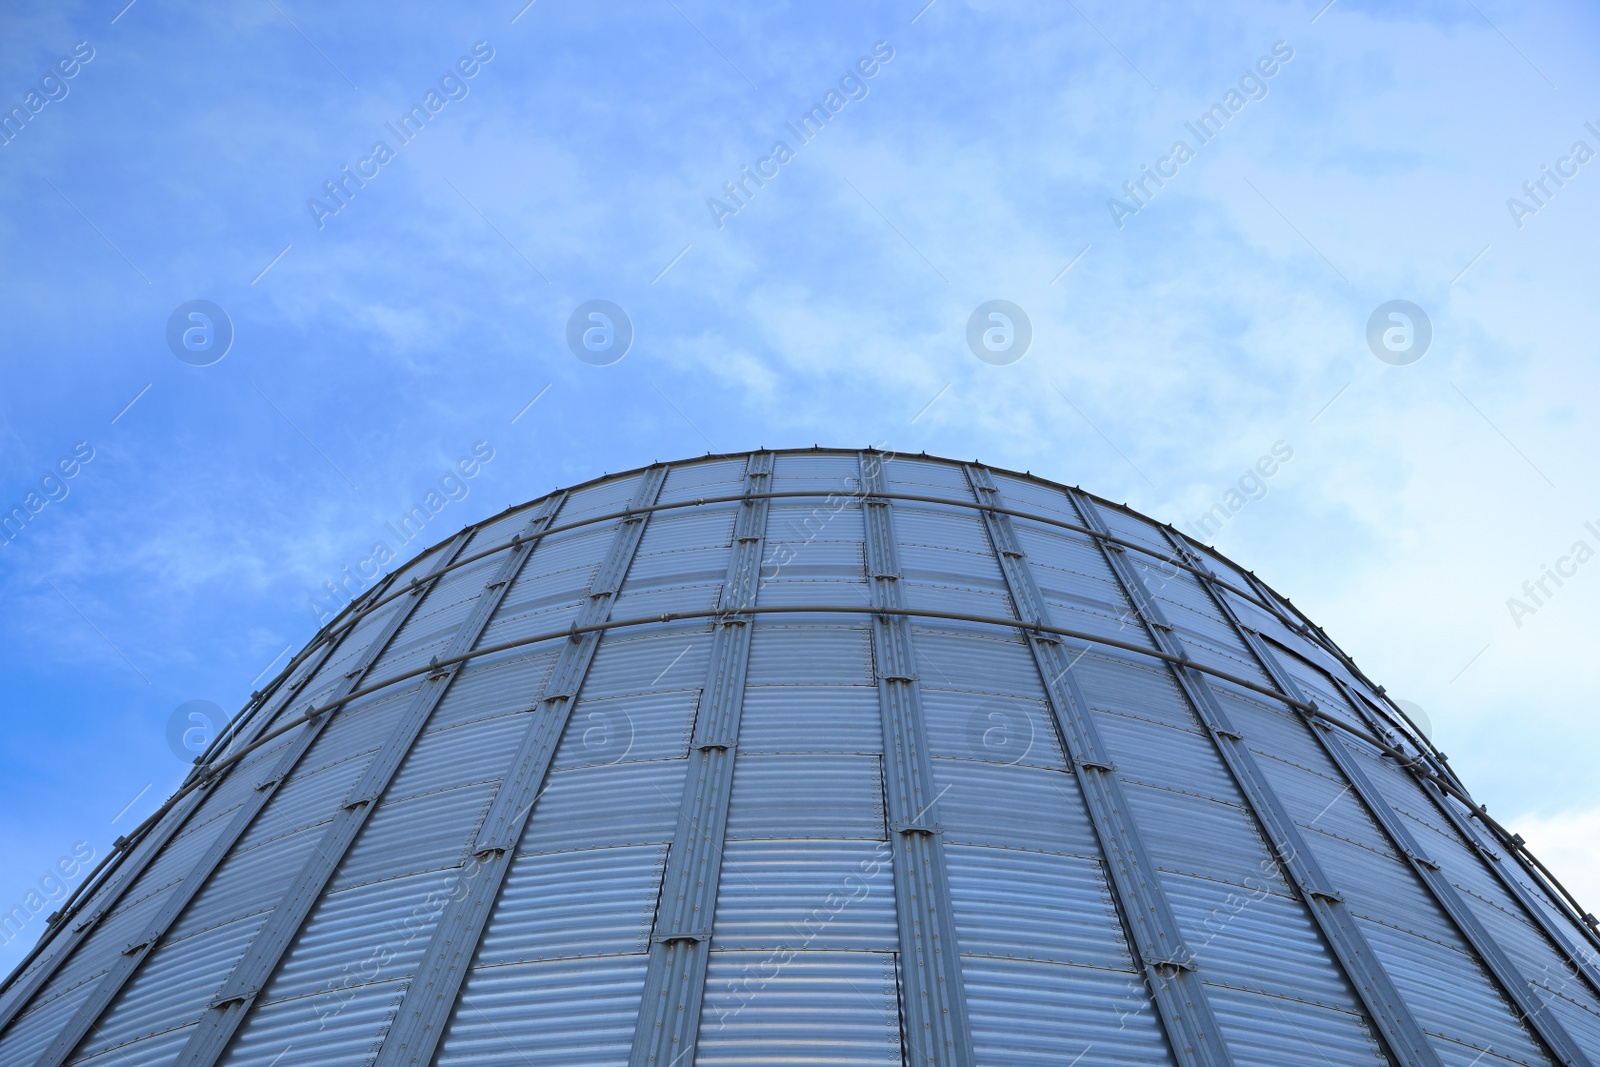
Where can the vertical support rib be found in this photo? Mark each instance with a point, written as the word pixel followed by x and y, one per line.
pixel 933 1007
pixel 1157 944
pixel 128 871
pixel 136 952
pixel 1406 1042
pixel 1520 991
pixel 255 969
pixel 431 996
pixel 680 943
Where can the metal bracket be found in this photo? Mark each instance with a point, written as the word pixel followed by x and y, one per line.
pixel 693 936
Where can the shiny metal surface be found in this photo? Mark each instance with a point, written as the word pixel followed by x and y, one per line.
pixel 816 756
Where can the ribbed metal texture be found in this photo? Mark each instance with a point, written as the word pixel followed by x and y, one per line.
pixel 816 756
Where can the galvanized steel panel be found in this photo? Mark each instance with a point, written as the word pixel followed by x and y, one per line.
pixel 32 1032
pixel 102 948
pixel 826 530
pixel 934 596
pixel 961 724
pixel 1034 1014
pixel 1256 937
pixel 342 1026
pixel 803 951
pixel 810 655
pixel 687 540
pixel 1449 993
pixel 1376 885
pixel 929 477
pixel 247 882
pixel 1034 497
pixel 1173 757
pixel 668 598
pixel 988 662
pixel 812 718
pixel 424 833
pixel 922 533
pixel 493 686
pixel 793 588
pixel 806 796
pixel 1267 1031
pixel 498 531
pixel 561 1013
pixel 631 662
pixel 709 477
pixel 1120 683
pixel 1188 834
pixel 160 1049
pixel 599 498
pixel 1035 906
pixel 1014 806
pixel 791 1006
pixel 610 804
pixel 302 801
pixel 173 987
pixel 356 729
pixel 643 726
pixel 806 895
pixel 465 754
pixel 823 472
pixel 359 936
pixel 558 905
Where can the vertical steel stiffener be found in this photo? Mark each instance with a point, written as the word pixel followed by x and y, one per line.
pixel 932 1004
pixel 669 1016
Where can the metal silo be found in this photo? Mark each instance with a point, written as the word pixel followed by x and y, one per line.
pixel 816 756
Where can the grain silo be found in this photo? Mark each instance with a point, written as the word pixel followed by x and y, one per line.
pixel 826 757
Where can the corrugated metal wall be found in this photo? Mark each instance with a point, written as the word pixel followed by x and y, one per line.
pixel 1169 823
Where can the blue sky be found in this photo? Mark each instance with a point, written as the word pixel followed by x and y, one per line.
pixel 374 347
